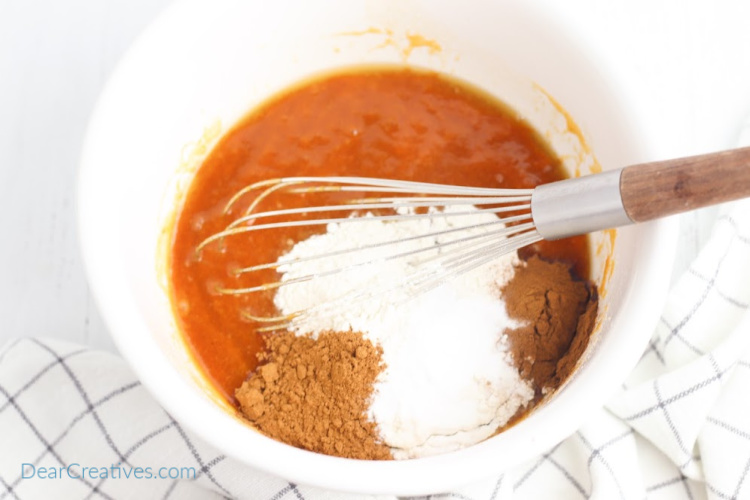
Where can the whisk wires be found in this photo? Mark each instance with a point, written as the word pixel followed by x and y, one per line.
pixel 441 254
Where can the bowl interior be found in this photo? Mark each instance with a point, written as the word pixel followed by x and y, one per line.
pixel 200 67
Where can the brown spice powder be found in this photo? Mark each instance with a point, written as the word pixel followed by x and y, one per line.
pixel 314 394
pixel 558 312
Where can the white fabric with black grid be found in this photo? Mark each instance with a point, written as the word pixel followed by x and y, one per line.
pixel 680 428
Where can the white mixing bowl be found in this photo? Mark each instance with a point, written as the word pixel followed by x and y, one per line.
pixel 203 65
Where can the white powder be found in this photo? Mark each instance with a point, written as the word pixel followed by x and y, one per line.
pixel 449 382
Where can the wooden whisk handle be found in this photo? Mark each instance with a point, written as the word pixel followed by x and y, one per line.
pixel 658 189
pixel 639 193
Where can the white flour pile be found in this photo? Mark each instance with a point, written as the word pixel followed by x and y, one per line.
pixel 448 382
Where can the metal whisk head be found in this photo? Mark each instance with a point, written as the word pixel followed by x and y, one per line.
pixel 444 250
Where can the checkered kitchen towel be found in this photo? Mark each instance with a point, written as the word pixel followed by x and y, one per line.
pixel 679 429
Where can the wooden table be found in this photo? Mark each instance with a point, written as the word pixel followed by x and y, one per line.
pixel 687 62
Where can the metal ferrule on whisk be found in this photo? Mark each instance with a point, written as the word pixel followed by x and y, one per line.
pixel 578 206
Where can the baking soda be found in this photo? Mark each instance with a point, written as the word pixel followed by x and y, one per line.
pixel 449 381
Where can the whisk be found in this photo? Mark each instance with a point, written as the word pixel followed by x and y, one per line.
pixel 519 217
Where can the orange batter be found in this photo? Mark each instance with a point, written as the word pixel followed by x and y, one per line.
pixel 378 122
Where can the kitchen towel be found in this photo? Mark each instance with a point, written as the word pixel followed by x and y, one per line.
pixel 678 429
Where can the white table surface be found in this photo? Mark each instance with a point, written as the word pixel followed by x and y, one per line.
pixel 687 62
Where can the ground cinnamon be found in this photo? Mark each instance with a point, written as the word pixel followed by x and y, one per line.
pixel 558 312
pixel 314 394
